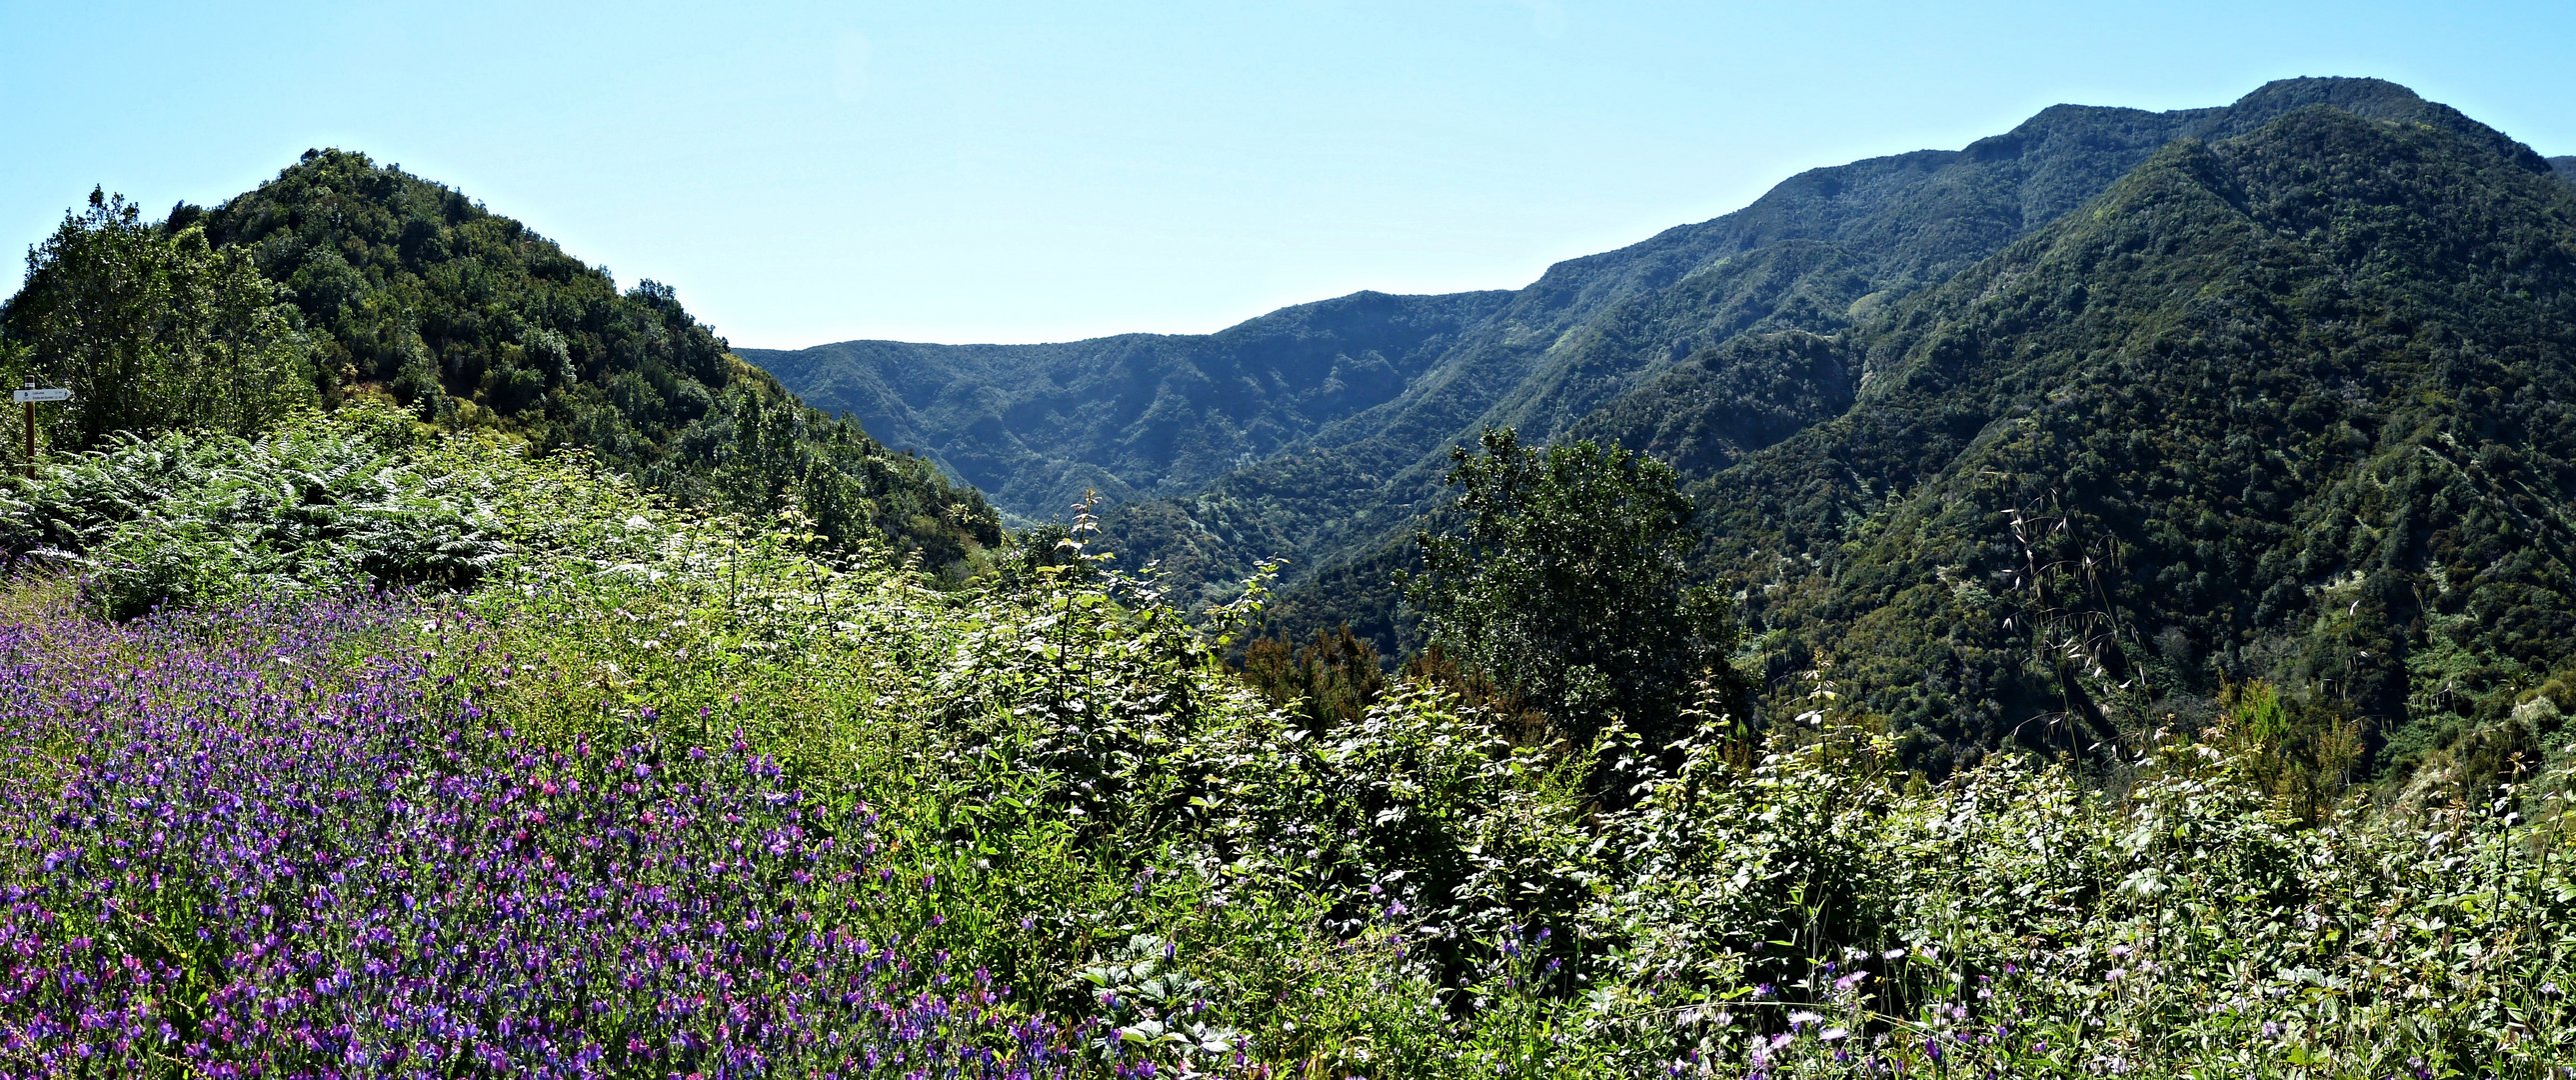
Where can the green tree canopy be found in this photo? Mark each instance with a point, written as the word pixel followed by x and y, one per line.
pixel 153 329
pixel 1564 582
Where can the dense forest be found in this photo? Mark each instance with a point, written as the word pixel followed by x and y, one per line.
pixel 344 280
pixel 2290 406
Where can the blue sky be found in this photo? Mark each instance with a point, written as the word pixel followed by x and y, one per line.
pixel 959 171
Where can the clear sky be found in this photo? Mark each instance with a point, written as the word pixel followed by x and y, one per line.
pixel 962 171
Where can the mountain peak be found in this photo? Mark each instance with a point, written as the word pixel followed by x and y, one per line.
pixel 2356 94
pixel 2377 99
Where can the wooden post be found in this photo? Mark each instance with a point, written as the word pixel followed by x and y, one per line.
pixel 28 398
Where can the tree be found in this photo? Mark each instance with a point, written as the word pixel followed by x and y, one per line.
pixel 155 329
pixel 1565 584
pixel 1327 682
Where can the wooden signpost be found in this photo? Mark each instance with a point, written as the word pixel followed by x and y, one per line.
pixel 28 398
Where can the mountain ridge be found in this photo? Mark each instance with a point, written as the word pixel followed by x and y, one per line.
pixel 1164 410
pixel 1489 370
pixel 1928 213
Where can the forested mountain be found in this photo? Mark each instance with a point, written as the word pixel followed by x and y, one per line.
pixel 2293 406
pixel 1824 248
pixel 342 278
pixel 2077 425
pixel 1819 252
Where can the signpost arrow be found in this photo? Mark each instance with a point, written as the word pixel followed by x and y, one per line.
pixel 29 397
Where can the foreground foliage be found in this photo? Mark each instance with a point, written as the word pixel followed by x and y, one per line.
pixel 655 794
pixel 1566 585
pixel 364 496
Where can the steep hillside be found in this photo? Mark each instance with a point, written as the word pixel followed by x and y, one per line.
pixel 405 288
pixel 2565 167
pixel 2291 406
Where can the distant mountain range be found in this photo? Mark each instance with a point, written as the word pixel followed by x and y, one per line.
pixel 1137 415
pixel 2079 422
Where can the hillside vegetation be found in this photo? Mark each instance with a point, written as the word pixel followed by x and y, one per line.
pixel 646 794
pixel 1133 416
pixel 1817 252
pixel 343 280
